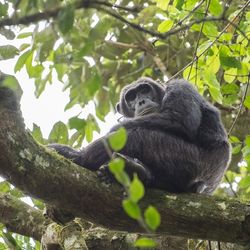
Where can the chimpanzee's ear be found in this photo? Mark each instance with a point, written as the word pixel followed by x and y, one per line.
pixel 118 108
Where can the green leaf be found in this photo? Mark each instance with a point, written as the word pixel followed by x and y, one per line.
pixel 248 16
pixel 99 32
pixel 203 47
pixel 215 8
pixel 61 70
pixel 228 61
pixel 3 9
pixel 21 60
pixel 24 46
pixel 93 84
pixel 41 84
pixel 213 86
pixel 90 127
pixel 44 50
pixel 190 73
pixel 116 167
pixel 24 35
pixel 165 26
pixel 77 123
pixel 28 63
pixel 8 51
pixel 38 203
pixel 243 72
pixel 226 37
pixel 162 4
pixel 59 133
pixel 246 151
pixel 234 139
pixel 9 34
pixel 37 134
pixel 159 43
pixel 45 40
pixel 145 242
pixel 216 94
pixel 77 138
pixel 8 238
pixel 132 209
pixel 247 159
pixel 242 42
pixel 213 63
pixel 178 4
pixel 66 19
pixel 89 132
pixel 247 140
pixel 189 5
pixel 16 192
pixel 45 35
pixel 230 88
pixel 85 50
pixel 118 139
pixel 4 187
pixel 229 100
pixel 136 189
pixel 230 75
pixel 236 149
pixel 209 29
pixel 34 71
pixel 102 105
pixel 245 182
pixel 247 102
pixel 152 217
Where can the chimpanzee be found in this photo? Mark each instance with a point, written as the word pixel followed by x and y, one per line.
pixel 175 136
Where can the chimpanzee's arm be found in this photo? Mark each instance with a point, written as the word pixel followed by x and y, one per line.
pixel 91 157
pixel 95 155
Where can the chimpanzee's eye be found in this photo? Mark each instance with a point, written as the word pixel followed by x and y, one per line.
pixel 130 96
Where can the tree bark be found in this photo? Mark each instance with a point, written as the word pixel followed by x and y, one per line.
pixel 45 175
pixel 21 218
pixel 18 217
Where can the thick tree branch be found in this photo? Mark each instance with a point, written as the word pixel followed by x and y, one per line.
pixel 52 13
pixel 21 218
pixel 18 217
pixel 45 175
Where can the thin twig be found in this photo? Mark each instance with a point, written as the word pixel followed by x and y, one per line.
pixel 189 14
pixel 54 12
pixel 209 245
pixel 199 37
pixel 135 9
pixel 230 185
pixel 219 247
pixel 241 106
pixel 123 45
pixel 125 21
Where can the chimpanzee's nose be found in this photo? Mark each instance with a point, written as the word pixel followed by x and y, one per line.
pixel 142 102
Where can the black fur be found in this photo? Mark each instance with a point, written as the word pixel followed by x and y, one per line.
pixel 179 141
